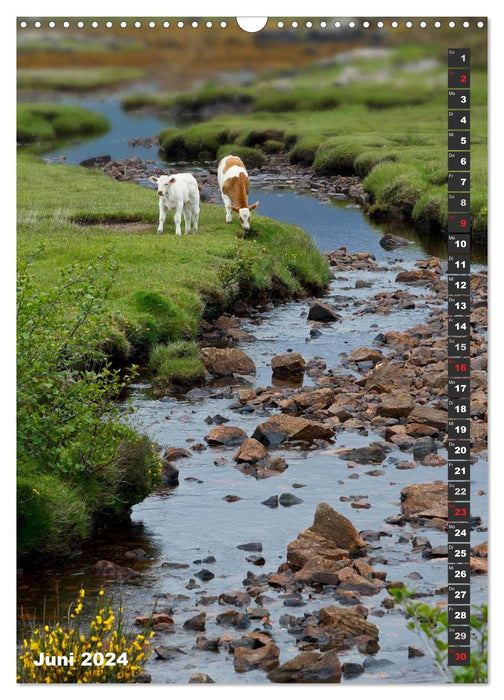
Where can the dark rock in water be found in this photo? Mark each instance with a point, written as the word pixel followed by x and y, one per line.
pixel 196 623
pixel 142 678
pixel 200 678
pixel 414 651
pixel 109 570
pixel 298 486
pixel 375 453
pixel 288 364
pixel 288 499
pixel 284 428
pixel 136 555
pixel 205 575
pixel 320 311
pixel 271 502
pixel 237 598
pixel 367 645
pixel 255 559
pixel 294 602
pixel 422 447
pixel 373 663
pixel 389 242
pixel 209 560
pixel 350 670
pixel 169 474
pixel 96 161
pixel 257 613
pixel 230 498
pixel 233 618
pixel 207 644
pixel 167 653
pixel 251 546
pixel 171 454
pixel 419 543
pixel 216 420
pixel 309 667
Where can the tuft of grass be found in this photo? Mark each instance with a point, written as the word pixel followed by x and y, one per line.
pixel 177 366
pixel 45 121
pixel 251 157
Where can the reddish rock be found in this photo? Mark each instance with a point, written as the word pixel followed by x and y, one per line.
pixel 265 657
pixel 171 454
pixel 317 397
pixel 284 428
pixel 365 355
pixel 109 570
pixel 350 620
pixel 417 276
pixel 368 645
pixel 430 416
pixel 478 565
pixel 430 500
pixel 225 362
pixel 155 619
pixel 395 406
pixel 309 667
pixel 288 364
pixel 251 451
pixel 481 550
pixel 226 435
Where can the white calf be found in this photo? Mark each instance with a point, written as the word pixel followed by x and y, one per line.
pixel 179 192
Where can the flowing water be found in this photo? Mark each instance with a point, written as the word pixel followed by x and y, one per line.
pixel 186 524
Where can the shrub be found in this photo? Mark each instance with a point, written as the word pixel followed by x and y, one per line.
pixel 273 146
pixel 72 446
pixel 106 638
pixel 251 157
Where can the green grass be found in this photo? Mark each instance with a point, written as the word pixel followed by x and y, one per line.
pixel 39 121
pixel 164 283
pixel 74 79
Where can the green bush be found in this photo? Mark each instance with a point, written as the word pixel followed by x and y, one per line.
pixel 251 157
pixel 366 161
pixel 273 146
pixel 69 431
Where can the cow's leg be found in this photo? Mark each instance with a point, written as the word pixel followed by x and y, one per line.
pixel 195 216
pixel 228 204
pixel 162 215
pixel 187 218
pixel 178 218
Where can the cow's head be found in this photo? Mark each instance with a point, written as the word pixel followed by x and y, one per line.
pixel 163 183
pixel 244 215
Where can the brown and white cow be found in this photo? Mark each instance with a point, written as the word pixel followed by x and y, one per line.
pixel 235 186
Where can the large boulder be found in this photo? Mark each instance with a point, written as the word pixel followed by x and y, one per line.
pixel 309 667
pixel 435 417
pixel 284 428
pixel 288 364
pixel 417 276
pixel 365 355
pixel 225 362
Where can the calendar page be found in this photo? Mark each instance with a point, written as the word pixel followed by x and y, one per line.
pixel 252 350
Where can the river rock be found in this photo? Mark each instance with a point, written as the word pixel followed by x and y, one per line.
pixel 309 667
pixel 196 623
pixel 265 657
pixel 389 241
pixel 251 451
pixel 288 364
pixel 288 499
pixel 374 453
pixel 481 550
pixel 320 311
pixel 171 454
pixel 238 598
pixel 395 406
pixel 233 618
pixel 422 447
pixel 169 474
pixel 430 500
pixel 387 378
pixel 200 678
pixel 350 620
pixel 313 398
pixel 417 276
pixel 226 435
pixel 284 428
pixel 414 652
pixel 365 355
pixel 155 619
pixel 225 362
pixel 96 161
pixel 109 570
pixel 430 416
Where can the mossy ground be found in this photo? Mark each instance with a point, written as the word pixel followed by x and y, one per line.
pixel 45 121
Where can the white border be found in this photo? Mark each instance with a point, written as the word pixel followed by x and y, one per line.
pixel 279 8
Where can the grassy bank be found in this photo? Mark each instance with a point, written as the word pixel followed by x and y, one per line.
pixel 43 122
pixel 101 283
pixel 74 79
